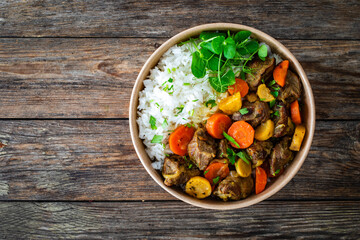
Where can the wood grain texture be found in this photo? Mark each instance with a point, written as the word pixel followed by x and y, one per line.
pixel 95 160
pixel 281 19
pixel 93 78
pixel 161 220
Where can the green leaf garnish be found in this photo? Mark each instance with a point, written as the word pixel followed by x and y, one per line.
pixel 157 139
pixel 230 139
pixel 152 122
pixel 206 172
pixel 186 84
pixel 262 53
pixel 230 48
pixel 241 36
pixel 243 111
pixel 170 80
pixel 190 165
pixel 198 65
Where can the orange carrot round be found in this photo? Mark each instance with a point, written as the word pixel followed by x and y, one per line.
pixel 180 138
pixel 239 86
pixel 242 133
pixel 295 112
pixel 280 72
pixel 217 124
pixel 215 170
pixel 260 180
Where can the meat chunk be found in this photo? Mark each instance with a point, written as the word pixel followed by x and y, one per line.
pixel 280 120
pixel 259 151
pixel 258 112
pixel 292 89
pixel 177 171
pixel 260 70
pixel 234 187
pixel 280 155
pixel 222 149
pixel 202 148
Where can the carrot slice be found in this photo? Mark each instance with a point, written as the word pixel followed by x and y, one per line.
pixel 217 124
pixel 260 180
pixel 295 112
pixel 216 171
pixel 242 133
pixel 239 86
pixel 180 138
pixel 280 72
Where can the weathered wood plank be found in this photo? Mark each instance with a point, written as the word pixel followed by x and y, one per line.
pixel 95 160
pixel 282 19
pixel 93 78
pixel 177 220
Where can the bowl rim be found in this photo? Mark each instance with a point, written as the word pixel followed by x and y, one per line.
pixel 144 158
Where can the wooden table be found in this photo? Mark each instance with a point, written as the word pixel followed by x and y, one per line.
pixel 67 165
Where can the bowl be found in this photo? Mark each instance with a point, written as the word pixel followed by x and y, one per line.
pixel 308 113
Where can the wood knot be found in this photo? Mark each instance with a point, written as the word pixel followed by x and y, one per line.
pixel 156 45
pixel 2 145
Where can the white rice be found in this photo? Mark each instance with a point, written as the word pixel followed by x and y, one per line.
pixel 155 100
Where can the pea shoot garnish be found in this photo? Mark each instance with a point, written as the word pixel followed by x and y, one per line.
pixel 217 53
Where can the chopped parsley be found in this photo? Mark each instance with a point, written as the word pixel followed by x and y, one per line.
pixel 152 122
pixel 216 180
pixel 275 94
pixel 272 103
pixel 186 84
pixel 276 172
pixel 191 112
pixel 243 111
pixel 272 83
pixel 170 80
pixel 190 165
pixel 157 139
pixel 206 172
pixel 231 155
pixel 181 108
pixel 164 124
pixel 195 100
pixel 189 125
pixel 211 102
pixel 230 139
pixel 275 114
pixel 243 156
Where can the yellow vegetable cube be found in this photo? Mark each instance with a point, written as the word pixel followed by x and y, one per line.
pixel 297 138
pixel 231 104
pixel 264 131
pixel 264 93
